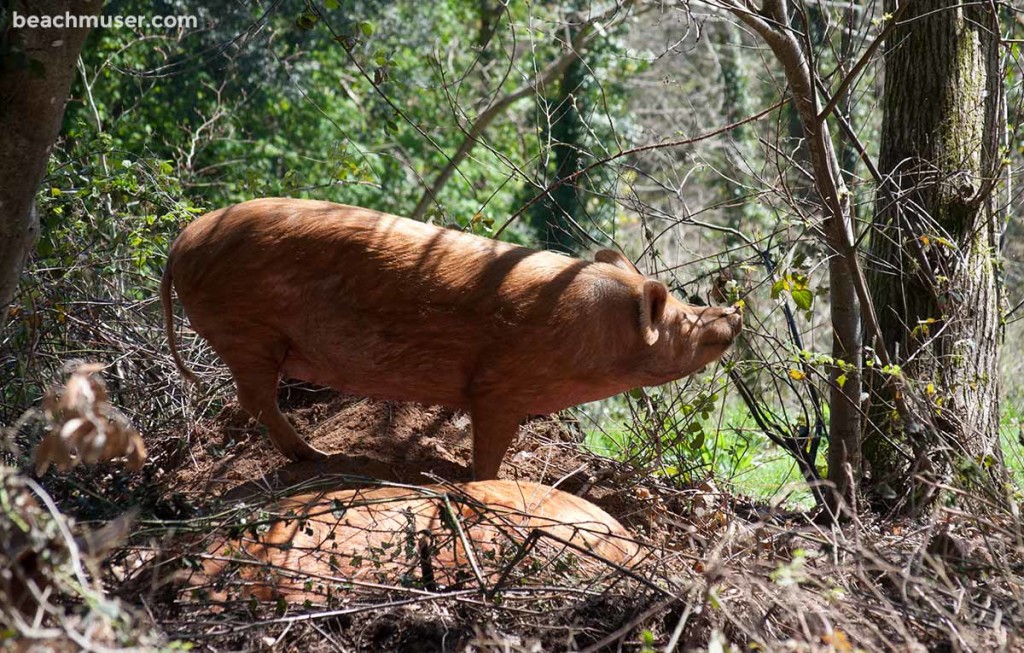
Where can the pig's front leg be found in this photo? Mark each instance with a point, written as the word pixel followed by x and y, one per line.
pixel 494 426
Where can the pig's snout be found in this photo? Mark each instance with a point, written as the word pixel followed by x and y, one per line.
pixel 719 326
pixel 734 317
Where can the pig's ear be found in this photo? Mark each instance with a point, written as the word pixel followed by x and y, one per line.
pixel 616 258
pixel 652 309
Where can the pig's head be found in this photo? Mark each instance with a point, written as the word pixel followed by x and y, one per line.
pixel 677 339
pixel 681 338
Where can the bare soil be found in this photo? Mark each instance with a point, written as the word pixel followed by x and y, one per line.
pixel 230 457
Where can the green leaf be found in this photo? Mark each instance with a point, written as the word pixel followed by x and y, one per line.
pixel 778 287
pixel 331 4
pixel 306 21
pixel 366 27
pixel 803 298
pixel 698 441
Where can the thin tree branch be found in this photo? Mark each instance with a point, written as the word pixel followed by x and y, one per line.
pixel 862 62
pixel 568 179
pixel 497 107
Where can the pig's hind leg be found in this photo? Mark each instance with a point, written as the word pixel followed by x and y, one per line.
pixel 257 392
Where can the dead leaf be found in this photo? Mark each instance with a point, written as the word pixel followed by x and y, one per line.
pixel 84 427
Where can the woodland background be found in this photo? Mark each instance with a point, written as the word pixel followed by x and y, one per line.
pixel 849 171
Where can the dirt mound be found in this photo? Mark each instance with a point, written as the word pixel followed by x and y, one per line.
pixel 230 457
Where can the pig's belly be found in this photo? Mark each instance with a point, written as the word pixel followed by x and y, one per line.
pixel 418 376
pixel 547 396
pixel 440 364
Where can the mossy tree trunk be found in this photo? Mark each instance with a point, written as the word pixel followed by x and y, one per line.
pixel 934 246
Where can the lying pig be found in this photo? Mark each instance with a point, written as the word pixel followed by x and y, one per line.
pixel 306 547
pixel 387 307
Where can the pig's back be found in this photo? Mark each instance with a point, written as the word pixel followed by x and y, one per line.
pixel 277 246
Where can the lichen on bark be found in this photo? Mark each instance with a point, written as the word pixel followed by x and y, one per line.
pixel 934 238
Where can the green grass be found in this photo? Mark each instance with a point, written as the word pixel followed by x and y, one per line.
pixel 1011 403
pixel 1011 438
pixel 776 478
pixel 735 454
pixel 741 457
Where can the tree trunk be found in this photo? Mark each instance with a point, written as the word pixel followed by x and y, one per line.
pixel 38 68
pixel 935 243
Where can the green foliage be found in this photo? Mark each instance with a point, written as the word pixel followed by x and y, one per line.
pixel 1011 439
pixel 680 424
pixel 797 286
pixel 692 431
pixel 355 103
pixel 578 123
pixel 126 213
